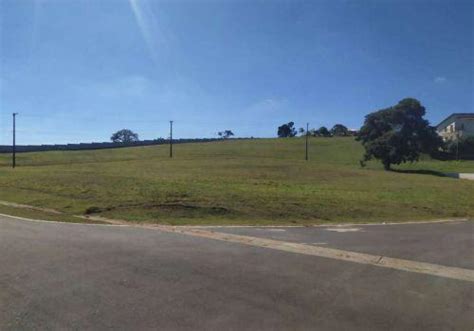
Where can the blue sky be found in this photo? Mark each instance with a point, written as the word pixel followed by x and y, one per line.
pixel 77 71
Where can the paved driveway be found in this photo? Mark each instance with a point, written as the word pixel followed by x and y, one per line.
pixel 70 276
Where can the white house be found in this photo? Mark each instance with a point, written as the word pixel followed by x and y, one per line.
pixel 456 126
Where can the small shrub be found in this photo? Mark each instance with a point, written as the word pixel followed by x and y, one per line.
pixel 466 145
pixel 93 210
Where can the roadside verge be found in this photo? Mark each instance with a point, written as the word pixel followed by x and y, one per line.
pixel 49 214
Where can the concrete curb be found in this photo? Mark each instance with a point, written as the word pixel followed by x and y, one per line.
pixel 466 175
pixel 19 205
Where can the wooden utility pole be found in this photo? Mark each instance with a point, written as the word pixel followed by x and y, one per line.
pixel 171 139
pixel 307 137
pixel 14 141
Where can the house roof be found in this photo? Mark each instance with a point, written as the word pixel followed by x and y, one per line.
pixel 463 115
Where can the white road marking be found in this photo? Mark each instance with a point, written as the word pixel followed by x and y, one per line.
pixel 343 229
pixel 331 253
pixel 444 220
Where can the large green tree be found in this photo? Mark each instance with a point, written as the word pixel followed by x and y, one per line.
pixel 398 134
pixel 323 132
pixel 225 134
pixel 339 130
pixel 287 130
pixel 124 136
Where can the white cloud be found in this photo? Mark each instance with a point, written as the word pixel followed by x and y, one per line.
pixel 148 24
pixel 439 80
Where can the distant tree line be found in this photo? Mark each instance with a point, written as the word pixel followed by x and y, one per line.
pixel 121 138
pixel 128 136
pixel 99 145
pixel 288 130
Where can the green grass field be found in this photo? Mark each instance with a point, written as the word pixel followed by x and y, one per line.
pixel 263 181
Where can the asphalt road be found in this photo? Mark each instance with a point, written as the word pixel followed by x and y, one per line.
pixel 447 243
pixel 70 276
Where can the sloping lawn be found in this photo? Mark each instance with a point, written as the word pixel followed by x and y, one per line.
pixel 260 181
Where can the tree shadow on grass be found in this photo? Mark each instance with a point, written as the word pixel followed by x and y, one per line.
pixel 421 172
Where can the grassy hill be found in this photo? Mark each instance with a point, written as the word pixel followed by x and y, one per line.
pixel 237 182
